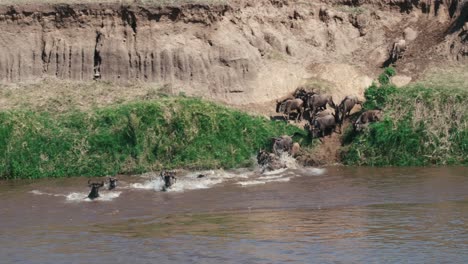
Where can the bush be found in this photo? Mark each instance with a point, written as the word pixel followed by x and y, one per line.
pixel 377 96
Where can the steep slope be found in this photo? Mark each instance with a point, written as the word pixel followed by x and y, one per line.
pixel 238 52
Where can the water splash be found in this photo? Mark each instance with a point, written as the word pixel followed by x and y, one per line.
pixel 191 181
pixel 264 181
pixel 37 192
pixel 309 171
pixel 83 197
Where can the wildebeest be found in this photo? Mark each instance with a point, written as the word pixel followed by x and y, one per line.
pixel 290 105
pixel 318 102
pixel 367 117
pixel 282 144
pixel 169 179
pixel 112 183
pixel 94 193
pixel 302 94
pixel 269 161
pixel 345 107
pixel 397 50
pixel 323 125
pixel 296 148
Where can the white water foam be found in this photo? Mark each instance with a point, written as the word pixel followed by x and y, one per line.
pixel 289 161
pixel 275 172
pixel 190 181
pixel 37 192
pixel 258 181
pixel 313 171
pixel 271 177
pixel 83 197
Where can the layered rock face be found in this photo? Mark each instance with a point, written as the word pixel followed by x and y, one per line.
pixel 238 52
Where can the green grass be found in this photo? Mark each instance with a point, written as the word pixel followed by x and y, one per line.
pixel 169 132
pixel 425 124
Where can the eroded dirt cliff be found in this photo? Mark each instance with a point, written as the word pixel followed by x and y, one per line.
pixel 239 52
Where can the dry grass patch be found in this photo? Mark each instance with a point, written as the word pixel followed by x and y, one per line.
pixel 55 95
pixel 143 2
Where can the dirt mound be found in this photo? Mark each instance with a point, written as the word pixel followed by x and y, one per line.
pixel 238 52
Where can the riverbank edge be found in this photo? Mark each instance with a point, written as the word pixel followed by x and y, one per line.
pixel 134 137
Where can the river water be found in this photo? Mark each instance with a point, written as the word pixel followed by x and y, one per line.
pixel 301 215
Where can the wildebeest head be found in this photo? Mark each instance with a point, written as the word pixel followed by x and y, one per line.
pixel 168 178
pixel 263 157
pixel 112 183
pixel 94 193
pixel 315 128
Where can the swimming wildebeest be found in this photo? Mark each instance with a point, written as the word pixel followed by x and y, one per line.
pixel 286 107
pixel 112 183
pixel 318 102
pixel 169 179
pixel 345 107
pixel 366 118
pixel 269 161
pixel 323 125
pixel 94 193
pixel 282 144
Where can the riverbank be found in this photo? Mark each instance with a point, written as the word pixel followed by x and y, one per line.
pixel 425 123
pixel 131 137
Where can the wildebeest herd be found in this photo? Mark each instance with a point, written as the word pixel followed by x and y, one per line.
pixel 302 104
pixel 312 107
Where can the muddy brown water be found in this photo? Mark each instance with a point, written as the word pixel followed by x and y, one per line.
pixel 332 215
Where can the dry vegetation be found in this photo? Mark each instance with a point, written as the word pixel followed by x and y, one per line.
pixel 448 77
pixel 55 95
pixel 149 2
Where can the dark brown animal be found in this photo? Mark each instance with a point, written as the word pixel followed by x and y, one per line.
pixel 169 179
pixel 112 183
pixel 302 94
pixel 290 105
pixel 94 193
pixel 282 144
pixel 318 102
pixel 323 125
pixel 367 117
pixel 345 107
